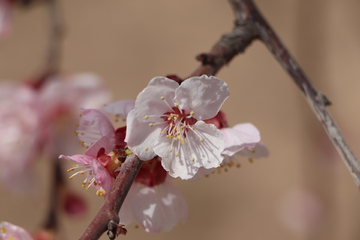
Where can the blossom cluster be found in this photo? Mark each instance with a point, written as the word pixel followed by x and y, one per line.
pixel 178 130
pixel 35 120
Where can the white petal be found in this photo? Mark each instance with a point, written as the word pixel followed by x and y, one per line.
pixel 121 108
pixel 13 232
pixel 140 137
pixel 239 137
pixel 159 211
pixel 149 102
pixel 203 95
pixel 260 151
pixel 93 125
pixel 180 166
pixel 202 172
pixel 208 152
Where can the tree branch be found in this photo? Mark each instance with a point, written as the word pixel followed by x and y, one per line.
pixel 107 218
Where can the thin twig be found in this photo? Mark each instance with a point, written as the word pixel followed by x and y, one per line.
pixel 107 218
pixel 53 58
pixel 245 10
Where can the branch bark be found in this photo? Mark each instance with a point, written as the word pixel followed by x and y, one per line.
pixel 107 218
pixel 251 25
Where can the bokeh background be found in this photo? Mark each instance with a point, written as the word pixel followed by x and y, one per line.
pixel 302 191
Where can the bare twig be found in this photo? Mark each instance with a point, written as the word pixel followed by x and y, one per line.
pixel 53 58
pixel 107 218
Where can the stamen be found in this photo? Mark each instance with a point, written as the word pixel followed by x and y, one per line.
pixel 251 160
pixel 3 230
pixel 163 98
pixel 252 150
pixel 176 154
pixel 146 117
pixel 146 149
pixel 192 113
pixel 150 125
pixel 176 105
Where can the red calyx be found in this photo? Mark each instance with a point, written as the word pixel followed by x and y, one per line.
pixel 151 173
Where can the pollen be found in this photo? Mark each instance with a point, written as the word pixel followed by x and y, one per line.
pixel 162 98
pixel 3 230
pixel 176 105
pixel 193 159
pixel 182 142
pixel 252 150
pixel 201 139
pixel 170 150
pixel 146 149
pixel 146 117
pixel 192 113
pixel 162 132
pixel 176 154
pixel 151 124
pixel 179 137
pixel 75 132
pixel 83 184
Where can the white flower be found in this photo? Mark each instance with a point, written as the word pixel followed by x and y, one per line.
pixel 168 121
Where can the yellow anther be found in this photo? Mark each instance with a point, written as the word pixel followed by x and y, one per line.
pixel 193 159
pixel 176 117
pixel 201 139
pixel 71 177
pixel 98 193
pixel 226 169
pixel 146 149
pixel 128 152
pixel 192 113
pixel 89 182
pixel 179 137
pixel 69 170
pixel 170 150
pixel 162 132
pixel 230 164
pixel 151 124
pixel 162 98
pixel 182 127
pixel 3 230
pixel 87 188
pixel 251 160
pixel 187 126
pixel 176 105
pixel 80 115
pixel 171 124
pixel 238 165
pixel 175 139
pixel 146 117
pixel 178 133
pixel 169 118
pixel 177 130
pixel 74 165
pixel 75 132
pixel 182 142
pixel 252 150
pixel 82 172
pixel 83 184
pixel 193 128
pixel 90 172
pixel 171 114
pixel 95 183
pixel 176 154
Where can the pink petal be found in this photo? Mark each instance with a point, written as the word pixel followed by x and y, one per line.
pixel 260 151
pixel 121 108
pixel 159 212
pixel 126 215
pixel 102 176
pixel 204 95
pixel 104 142
pixel 139 137
pixel 79 158
pixel 11 231
pixel 149 102
pixel 239 137
pixel 94 124
pixel 74 205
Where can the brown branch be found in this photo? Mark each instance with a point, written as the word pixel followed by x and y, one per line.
pixel 107 218
pixel 250 25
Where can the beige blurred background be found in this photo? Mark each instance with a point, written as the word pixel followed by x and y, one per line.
pixel 302 191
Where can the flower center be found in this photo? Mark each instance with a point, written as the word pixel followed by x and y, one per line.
pixel 178 124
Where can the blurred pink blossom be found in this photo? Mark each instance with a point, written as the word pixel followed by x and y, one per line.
pixel 5 17
pixel 35 119
pixel 10 231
